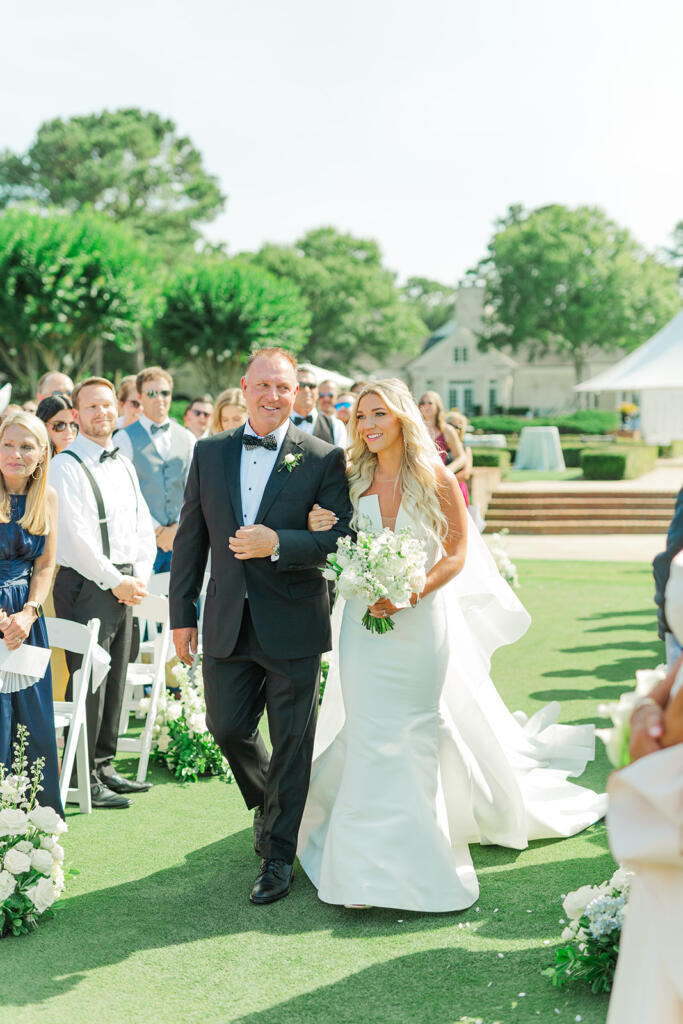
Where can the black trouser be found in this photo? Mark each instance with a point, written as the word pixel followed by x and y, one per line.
pixel 237 689
pixel 80 600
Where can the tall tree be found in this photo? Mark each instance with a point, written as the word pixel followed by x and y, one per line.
pixel 433 300
pixel 133 166
pixel 217 310
pixel 562 280
pixel 356 309
pixel 70 288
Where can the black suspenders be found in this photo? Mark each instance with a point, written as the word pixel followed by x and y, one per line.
pixel 101 511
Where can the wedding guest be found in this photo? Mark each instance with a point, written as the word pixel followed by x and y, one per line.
pixel 645 823
pixel 344 405
pixel 229 412
pixel 660 569
pixel 198 416
pixel 357 386
pixel 105 551
pixel 327 395
pixel 30 406
pixel 57 413
pixel 161 451
pixel 10 410
pixel 130 409
pixel 444 436
pixel 54 383
pixel 28 540
pixel 306 417
pixel 460 424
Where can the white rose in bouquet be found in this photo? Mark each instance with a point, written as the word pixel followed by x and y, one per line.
pixel 173 711
pixel 8 884
pixel 47 820
pixel 57 852
pixel 24 846
pixel 575 903
pixel 42 861
pixel 57 876
pixel 42 895
pixel 13 822
pixel 16 861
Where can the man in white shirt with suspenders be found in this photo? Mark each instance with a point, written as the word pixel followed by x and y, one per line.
pixel 105 550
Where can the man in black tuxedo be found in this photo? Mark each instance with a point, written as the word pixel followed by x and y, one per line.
pixel 267 617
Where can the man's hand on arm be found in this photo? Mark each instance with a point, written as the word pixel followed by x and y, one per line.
pixel 185 640
pixel 256 541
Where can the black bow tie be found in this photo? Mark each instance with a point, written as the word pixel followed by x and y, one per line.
pixel 156 427
pixel 252 441
pixel 298 420
pixel 113 454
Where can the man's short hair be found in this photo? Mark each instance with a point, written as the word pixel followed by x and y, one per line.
pixel 152 373
pixel 305 368
pixel 46 376
pixel 205 399
pixel 331 383
pixel 89 382
pixel 270 353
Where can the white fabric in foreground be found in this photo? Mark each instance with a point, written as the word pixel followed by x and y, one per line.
pixel 645 822
pixel 22 667
pixel 435 759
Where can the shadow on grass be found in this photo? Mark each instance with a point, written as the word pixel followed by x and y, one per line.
pixel 564 695
pixel 615 645
pixel 619 670
pixel 205 897
pixel 436 986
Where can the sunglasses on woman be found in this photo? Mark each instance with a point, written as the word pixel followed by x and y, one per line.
pixel 59 427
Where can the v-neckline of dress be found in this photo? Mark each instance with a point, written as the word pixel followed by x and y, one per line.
pixel 379 513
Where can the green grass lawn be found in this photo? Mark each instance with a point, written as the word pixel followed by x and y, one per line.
pixel 520 476
pixel 157 926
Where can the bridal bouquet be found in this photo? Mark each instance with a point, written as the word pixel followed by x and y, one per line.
pixel 31 875
pixel 181 740
pixel 377 566
pixel 591 937
pixel 616 739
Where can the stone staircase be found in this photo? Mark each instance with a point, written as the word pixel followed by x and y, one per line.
pixel 523 511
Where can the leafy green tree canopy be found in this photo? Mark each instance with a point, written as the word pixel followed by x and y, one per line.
pixel 356 308
pixel 217 310
pixel 563 280
pixel 133 166
pixel 69 285
pixel 434 301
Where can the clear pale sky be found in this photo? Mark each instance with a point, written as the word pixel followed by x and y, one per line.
pixel 415 123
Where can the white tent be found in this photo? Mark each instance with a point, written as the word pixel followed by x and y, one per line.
pixel 655 373
pixel 343 382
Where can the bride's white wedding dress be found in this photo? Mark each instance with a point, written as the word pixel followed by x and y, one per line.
pixel 416 755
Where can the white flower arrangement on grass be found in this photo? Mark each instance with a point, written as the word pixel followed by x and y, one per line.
pixel 181 740
pixel 377 566
pixel 616 739
pixel 506 567
pixel 31 858
pixel 592 933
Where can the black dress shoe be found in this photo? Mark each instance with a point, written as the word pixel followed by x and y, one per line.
pixel 259 822
pixel 118 784
pixel 102 796
pixel 274 881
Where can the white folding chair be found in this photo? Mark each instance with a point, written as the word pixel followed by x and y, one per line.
pixel 77 639
pixel 152 611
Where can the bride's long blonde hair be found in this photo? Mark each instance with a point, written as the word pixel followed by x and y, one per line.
pixel 417 476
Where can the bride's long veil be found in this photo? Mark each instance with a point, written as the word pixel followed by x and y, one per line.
pixel 517 768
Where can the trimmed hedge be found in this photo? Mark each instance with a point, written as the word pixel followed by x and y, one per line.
pixel 491 457
pixel 671 451
pixel 624 463
pixel 588 421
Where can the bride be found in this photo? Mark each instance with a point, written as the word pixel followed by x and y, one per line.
pixel 416 755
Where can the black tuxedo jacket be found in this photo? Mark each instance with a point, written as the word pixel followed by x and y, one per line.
pixel 288 599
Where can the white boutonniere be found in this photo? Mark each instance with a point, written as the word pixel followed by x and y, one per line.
pixel 291 461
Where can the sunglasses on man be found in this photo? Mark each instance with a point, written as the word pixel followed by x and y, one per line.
pixel 62 394
pixel 153 393
pixel 307 384
pixel 200 412
pixel 327 394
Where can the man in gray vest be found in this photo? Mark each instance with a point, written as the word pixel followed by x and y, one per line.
pixel 161 451
pixel 308 418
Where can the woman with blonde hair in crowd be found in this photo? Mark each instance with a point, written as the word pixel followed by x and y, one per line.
pixel 444 436
pixel 57 413
pixel 416 756
pixel 28 543
pixel 229 412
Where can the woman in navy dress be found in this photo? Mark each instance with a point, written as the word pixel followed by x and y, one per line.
pixel 28 542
